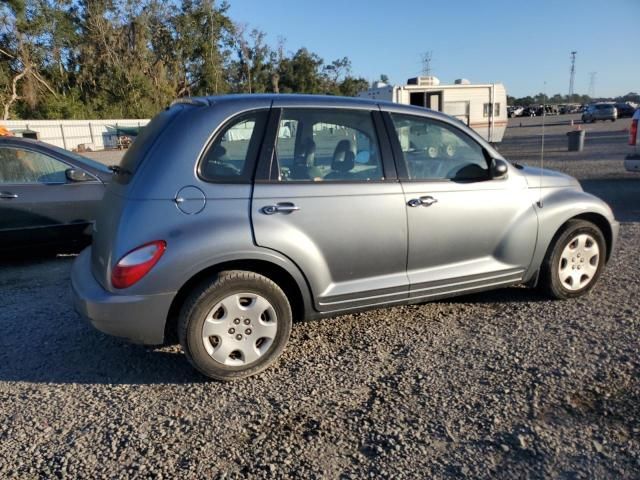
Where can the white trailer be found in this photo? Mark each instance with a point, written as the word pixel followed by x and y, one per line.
pixel 482 107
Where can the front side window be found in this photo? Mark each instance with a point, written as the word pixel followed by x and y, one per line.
pixel 231 156
pixel 20 166
pixel 316 145
pixel 436 151
pixel 496 109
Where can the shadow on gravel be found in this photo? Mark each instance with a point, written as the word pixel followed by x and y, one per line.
pixel 44 341
pixel 505 295
pixel 95 359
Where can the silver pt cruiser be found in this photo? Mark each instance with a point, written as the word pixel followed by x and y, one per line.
pixel 232 216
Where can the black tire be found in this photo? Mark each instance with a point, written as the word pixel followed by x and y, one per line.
pixel 550 282
pixel 205 297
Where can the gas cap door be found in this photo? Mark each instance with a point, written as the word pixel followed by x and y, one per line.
pixel 190 200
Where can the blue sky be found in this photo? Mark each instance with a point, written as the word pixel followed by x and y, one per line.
pixel 521 43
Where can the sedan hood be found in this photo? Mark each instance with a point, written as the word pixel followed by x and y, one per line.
pixel 549 178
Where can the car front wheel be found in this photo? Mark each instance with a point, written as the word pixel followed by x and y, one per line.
pixel 574 261
pixel 235 325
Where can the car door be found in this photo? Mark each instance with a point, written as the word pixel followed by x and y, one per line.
pixel 38 204
pixel 467 230
pixel 328 198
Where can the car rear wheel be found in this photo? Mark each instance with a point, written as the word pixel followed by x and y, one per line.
pixel 235 325
pixel 574 261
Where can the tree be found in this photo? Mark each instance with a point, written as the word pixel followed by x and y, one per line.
pixel 131 58
pixel 21 52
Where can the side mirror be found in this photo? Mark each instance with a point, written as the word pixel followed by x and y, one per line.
pixel 499 168
pixel 74 175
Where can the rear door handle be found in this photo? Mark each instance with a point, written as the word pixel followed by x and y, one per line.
pixel 8 195
pixel 422 201
pixel 285 207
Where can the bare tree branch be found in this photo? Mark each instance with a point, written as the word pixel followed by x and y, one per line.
pixel 14 94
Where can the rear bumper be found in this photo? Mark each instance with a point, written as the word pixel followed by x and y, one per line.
pixel 137 318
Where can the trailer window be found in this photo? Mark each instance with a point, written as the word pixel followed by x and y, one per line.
pixel 496 110
pixel 486 110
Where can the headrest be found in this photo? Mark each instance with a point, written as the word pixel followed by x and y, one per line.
pixel 344 156
pixel 307 153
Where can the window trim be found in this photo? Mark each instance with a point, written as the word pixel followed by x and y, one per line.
pixel 267 169
pixel 253 150
pixel 403 170
pixel 95 179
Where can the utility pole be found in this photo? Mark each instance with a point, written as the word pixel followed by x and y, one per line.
pixel 572 75
pixel 592 84
pixel 426 62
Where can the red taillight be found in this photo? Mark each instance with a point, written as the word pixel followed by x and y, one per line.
pixel 137 263
pixel 633 134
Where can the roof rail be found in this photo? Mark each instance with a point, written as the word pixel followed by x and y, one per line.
pixel 190 101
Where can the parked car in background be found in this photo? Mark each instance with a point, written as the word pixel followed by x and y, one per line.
pixel 547 110
pixel 632 162
pixel 515 111
pixel 625 110
pixel 599 111
pixel 222 226
pixel 48 196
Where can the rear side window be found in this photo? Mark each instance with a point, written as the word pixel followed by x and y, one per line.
pixel 316 145
pixel 232 155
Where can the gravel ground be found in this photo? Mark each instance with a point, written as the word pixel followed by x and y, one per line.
pixel 504 384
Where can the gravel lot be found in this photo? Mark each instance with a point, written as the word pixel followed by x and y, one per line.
pixel 504 384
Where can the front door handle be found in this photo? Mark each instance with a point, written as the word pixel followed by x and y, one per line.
pixel 422 201
pixel 428 200
pixel 285 207
pixel 8 195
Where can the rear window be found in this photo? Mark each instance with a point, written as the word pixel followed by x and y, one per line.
pixel 143 142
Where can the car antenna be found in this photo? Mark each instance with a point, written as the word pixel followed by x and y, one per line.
pixel 544 114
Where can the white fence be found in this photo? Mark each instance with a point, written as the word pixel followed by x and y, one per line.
pixel 68 134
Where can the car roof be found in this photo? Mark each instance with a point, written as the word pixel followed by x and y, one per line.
pixel 21 141
pixel 296 97
pixel 310 101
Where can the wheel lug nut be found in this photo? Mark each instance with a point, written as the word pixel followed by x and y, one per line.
pixel 232 331
pixel 247 331
pixel 237 321
pixel 238 337
pixel 247 321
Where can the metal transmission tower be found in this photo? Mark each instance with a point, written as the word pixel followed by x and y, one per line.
pixel 572 75
pixel 426 62
pixel 592 84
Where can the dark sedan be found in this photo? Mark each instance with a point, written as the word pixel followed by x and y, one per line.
pixel 625 110
pixel 48 196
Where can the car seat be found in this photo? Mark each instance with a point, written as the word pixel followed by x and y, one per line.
pixel 344 159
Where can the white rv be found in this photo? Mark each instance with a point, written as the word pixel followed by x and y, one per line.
pixel 483 107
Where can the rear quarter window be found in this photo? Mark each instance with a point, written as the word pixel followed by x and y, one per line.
pixel 232 155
